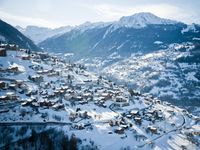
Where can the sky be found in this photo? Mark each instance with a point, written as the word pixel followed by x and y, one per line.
pixel 56 13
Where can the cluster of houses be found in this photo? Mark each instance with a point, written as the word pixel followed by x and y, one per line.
pixel 9 96
pixel 121 125
pixel 137 117
pixel 193 134
pixel 152 115
pixel 67 89
pixel 10 69
pixel 11 86
pixel 78 93
pixel 79 115
pixel 5 47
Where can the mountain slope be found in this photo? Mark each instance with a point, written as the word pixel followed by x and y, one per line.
pixel 171 75
pixel 128 35
pixel 39 34
pixel 171 69
pixel 53 94
pixel 9 34
pixel 140 20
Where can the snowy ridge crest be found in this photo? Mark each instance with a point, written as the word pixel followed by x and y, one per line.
pixel 143 19
pixel 139 20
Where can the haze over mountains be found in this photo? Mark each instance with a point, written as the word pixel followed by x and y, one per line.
pixel 39 34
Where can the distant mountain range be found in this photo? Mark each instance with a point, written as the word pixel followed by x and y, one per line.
pixel 39 34
pixel 142 32
pixel 8 34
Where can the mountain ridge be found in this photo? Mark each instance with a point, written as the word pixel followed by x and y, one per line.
pixel 130 34
pixel 39 34
pixel 11 35
pixel 142 19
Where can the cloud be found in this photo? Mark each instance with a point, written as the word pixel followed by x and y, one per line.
pixel 24 21
pixel 113 12
pixel 50 14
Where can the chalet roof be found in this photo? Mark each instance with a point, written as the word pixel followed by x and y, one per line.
pixel 2 49
pixel 19 81
pixel 134 111
pixel 13 85
pixel 86 94
pixel 137 118
pixel 36 76
pixel 196 128
pixel 24 55
pixel 2 97
pixel 152 127
pixel 105 94
pixel 120 97
pixel 10 93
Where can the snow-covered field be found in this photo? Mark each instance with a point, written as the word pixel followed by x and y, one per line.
pixel 39 88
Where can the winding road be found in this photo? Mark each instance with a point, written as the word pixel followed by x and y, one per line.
pixel 173 130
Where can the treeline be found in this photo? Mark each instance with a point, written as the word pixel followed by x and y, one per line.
pixel 48 140
pixel 40 138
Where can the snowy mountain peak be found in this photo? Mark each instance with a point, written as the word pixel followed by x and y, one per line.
pixel 89 25
pixel 138 20
pixel 39 34
pixel 143 19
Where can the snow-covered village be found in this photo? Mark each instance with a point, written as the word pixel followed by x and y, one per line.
pixel 40 89
pixel 99 75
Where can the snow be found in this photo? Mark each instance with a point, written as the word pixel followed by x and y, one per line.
pixel 138 20
pixel 189 28
pixel 39 34
pixel 20 37
pixel 98 130
pixel 196 127
pixel 69 54
pixel 95 45
pixel 158 73
pixel 195 38
pixel 20 67
pixel 191 76
pixel 120 46
pixel 114 55
pixel 88 25
pixel 158 42
pixel 178 141
pixel 2 38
